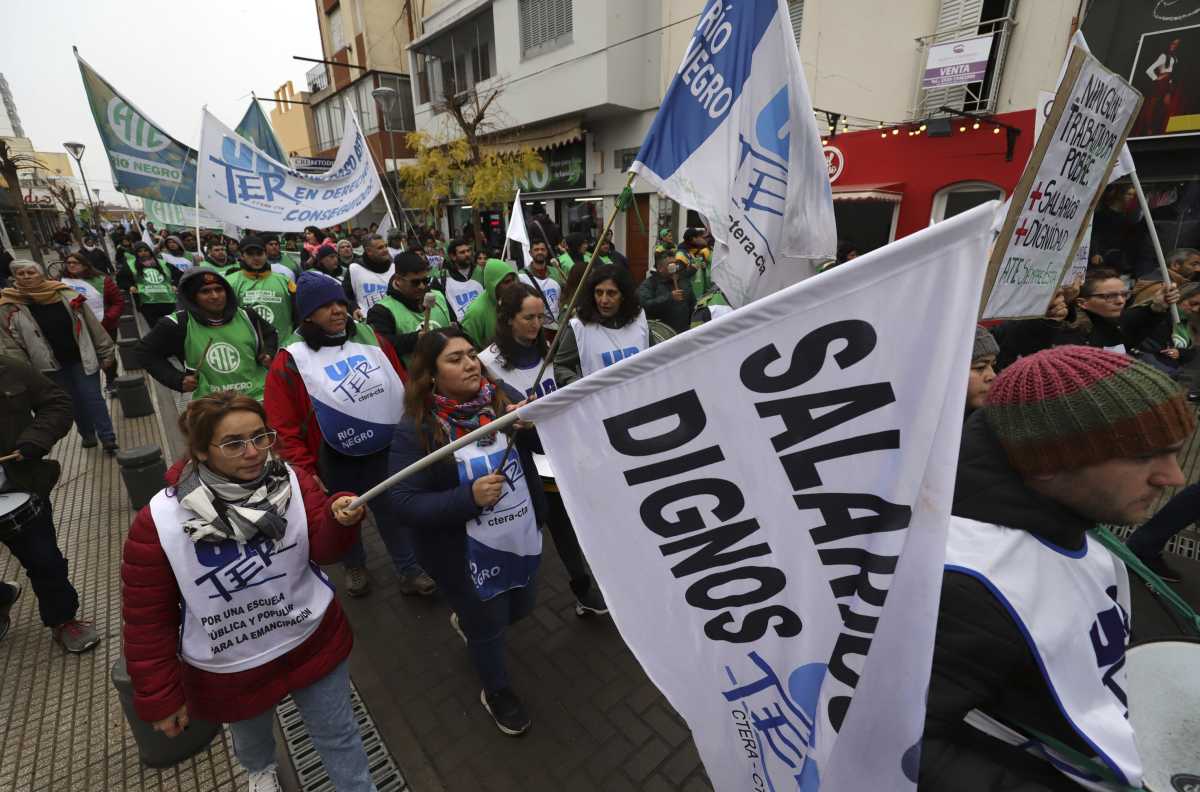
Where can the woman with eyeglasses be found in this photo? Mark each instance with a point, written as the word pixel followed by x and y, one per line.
pixel 400 315
pixel 225 610
pixel 476 515
pixel 334 392
pixel 1097 314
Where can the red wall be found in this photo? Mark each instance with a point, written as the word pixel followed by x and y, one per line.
pixel 924 165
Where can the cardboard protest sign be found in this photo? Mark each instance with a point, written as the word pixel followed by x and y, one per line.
pixel 1091 116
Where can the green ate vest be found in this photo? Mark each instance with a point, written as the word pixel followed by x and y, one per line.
pixel 409 321
pixel 154 285
pixel 270 297
pixel 231 360
pixel 289 260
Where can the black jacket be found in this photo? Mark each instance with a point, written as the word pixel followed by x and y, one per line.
pixel 438 506
pixel 1022 337
pixel 980 659
pixel 35 414
pixel 655 296
pixel 382 321
pixel 167 338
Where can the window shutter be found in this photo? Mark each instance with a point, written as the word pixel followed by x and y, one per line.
pixel 796 12
pixel 957 19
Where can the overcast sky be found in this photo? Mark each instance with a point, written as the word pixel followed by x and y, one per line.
pixel 168 57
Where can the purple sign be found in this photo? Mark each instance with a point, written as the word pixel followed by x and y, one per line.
pixel 957 62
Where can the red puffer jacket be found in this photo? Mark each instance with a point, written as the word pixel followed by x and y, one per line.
pixel 150 607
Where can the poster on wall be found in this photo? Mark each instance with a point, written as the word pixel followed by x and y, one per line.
pixel 1155 45
pixel 957 62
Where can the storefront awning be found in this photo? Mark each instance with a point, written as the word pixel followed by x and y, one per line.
pixel 891 192
pixel 538 137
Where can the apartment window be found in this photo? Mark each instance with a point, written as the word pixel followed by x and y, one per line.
pixel 623 159
pixel 545 25
pixel 796 12
pixel 337 33
pixel 324 133
pixel 402 118
pixel 455 61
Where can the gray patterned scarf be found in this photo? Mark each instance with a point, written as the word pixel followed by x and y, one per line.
pixel 228 509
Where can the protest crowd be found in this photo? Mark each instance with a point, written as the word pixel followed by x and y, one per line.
pixel 387 377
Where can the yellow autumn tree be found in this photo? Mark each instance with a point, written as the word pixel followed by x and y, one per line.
pixel 460 164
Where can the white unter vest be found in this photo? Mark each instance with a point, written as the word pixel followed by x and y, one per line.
pixel 369 287
pixel 91 295
pixel 1072 608
pixel 600 346
pixel 244 603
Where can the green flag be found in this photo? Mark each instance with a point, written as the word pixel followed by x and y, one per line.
pixel 145 160
pixel 255 128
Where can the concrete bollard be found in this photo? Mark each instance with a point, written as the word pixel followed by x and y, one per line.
pixel 129 327
pixel 142 470
pixel 134 396
pixel 155 748
pixel 130 359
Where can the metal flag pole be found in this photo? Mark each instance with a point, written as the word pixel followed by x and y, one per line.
pixel 502 422
pixel 447 450
pixel 1162 261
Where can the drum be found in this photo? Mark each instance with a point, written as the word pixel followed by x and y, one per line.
pixel 1164 710
pixel 17 509
pixel 659 331
pixel 545 472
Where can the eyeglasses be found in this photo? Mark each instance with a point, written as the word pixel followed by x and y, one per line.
pixel 236 448
pixel 1112 297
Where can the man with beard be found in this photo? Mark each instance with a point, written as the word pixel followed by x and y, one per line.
pixel 367 281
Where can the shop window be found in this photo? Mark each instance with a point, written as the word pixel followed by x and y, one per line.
pixel 958 198
pixel 866 224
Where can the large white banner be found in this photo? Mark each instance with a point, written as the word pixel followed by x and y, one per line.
pixel 764 503
pixel 736 140
pixel 166 215
pixel 241 185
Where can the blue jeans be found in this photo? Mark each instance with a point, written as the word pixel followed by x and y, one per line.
pixel 484 622
pixel 1148 541
pixel 343 473
pixel 325 707
pixel 91 410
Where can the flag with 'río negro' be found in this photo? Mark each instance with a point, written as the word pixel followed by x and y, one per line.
pixel 764 502
pixel 735 139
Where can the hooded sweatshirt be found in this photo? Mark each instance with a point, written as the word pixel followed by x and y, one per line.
pixel 181 261
pixel 479 322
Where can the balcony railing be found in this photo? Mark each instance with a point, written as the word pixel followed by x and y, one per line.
pixel 977 97
pixel 317 78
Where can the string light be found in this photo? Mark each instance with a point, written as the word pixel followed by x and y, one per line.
pixel 895 131
pixel 975 125
pixel 923 128
pixel 883 135
pixel 996 131
pixel 962 128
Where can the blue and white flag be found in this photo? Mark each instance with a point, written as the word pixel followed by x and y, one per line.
pixel 736 140
pixel 770 541
pixel 240 184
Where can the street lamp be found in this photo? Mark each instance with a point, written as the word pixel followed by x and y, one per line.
pixel 386 98
pixel 76 152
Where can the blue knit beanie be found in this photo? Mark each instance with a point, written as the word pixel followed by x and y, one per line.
pixel 314 289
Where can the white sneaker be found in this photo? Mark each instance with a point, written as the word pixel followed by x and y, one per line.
pixel 265 781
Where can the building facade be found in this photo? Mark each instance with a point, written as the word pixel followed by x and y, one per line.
pixel 364 43
pixel 293 123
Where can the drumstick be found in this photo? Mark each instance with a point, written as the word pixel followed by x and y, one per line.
pixel 11 457
pixel 673 268
pixel 430 301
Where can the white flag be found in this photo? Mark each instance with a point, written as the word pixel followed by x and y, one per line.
pixel 241 185
pixel 764 502
pixel 516 229
pixel 736 140
pixel 385 225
